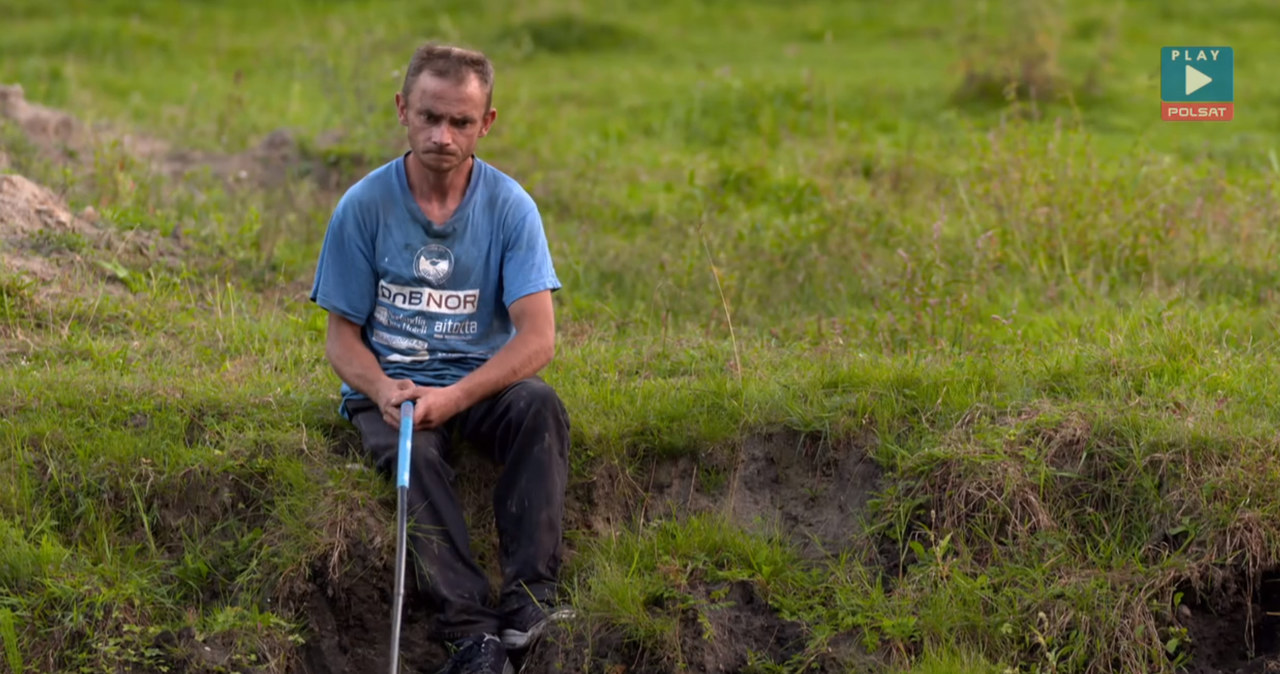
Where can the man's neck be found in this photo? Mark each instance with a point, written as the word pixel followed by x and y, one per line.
pixel 439 188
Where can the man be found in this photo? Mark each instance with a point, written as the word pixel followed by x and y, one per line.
pixel 437 278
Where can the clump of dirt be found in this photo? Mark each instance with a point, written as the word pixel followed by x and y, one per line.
pixel 803 484
pixel 276 158
pixel 1235 629
pixel 734 628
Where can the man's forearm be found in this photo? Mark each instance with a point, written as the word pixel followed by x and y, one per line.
pixel 353 362
pixel 522 357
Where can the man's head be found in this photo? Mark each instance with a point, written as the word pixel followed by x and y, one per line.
pixel 446 103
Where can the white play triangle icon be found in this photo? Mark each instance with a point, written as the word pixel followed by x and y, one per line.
pixel 1196 80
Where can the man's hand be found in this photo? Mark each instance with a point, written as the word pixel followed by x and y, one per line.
pixel 432 406
pixel 359 368
pixel 436 405
pixel 390 394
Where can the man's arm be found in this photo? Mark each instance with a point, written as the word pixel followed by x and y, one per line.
pixel 359 368
pixel 530 350
pixel 532 347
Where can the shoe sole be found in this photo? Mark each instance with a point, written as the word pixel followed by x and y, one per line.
pixel 515 640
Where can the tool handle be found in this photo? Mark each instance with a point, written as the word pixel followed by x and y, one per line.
pixel 406 441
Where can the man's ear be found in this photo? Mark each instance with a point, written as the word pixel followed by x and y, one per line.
pixel 487 122
pixel 401 109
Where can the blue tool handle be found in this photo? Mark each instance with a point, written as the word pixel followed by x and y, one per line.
pixel 406 443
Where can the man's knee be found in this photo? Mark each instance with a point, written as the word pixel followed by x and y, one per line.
pixel 538 401
pixel 427 455
pixel 384 447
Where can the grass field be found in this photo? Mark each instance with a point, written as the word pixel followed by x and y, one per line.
pixel 875 362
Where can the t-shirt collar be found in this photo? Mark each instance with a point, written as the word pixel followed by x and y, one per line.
pixel 415 212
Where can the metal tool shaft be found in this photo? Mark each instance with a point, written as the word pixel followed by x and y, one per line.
pixel 402 526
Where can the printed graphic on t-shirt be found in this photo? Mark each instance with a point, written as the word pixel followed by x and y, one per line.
pixel 433 264
pixel 416 298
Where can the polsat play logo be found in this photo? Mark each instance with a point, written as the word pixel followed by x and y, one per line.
pixel 1197 84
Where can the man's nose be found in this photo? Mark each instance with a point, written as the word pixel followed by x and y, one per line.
pixel 439 135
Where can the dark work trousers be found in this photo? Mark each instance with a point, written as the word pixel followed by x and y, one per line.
pixel 525 429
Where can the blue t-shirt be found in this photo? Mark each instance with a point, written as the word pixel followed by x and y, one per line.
pixel 432 300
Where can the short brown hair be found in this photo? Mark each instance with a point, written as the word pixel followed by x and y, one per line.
pixel 450 62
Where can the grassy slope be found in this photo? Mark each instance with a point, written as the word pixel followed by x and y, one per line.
pixel 1058 332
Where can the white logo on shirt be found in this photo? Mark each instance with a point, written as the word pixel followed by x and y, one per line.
pixel 433 263
pixel 428 299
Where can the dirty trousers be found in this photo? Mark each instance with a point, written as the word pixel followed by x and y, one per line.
pixel 525 430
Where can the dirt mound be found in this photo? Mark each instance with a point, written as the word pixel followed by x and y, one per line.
pixel 27 208
pixel 50 129
pixel 277 157
pixel 41 238
pixel 37 229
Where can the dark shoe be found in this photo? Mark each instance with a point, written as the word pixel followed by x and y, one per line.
pixel 526 624
pixel 481 654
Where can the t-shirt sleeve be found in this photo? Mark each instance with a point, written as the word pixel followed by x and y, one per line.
pixel 346 279
pixel 527 267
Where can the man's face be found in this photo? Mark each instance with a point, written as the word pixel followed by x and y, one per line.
pixel 445 119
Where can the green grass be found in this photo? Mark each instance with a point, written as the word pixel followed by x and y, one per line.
pixel 1048 320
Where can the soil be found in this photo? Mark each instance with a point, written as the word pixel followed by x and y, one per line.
pixel 350 621
pixel 52 130
pixel 27 209
pixel 801 485
pixel 349 612
pixel 738 624
pixel 30 213
pixel 1223 639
